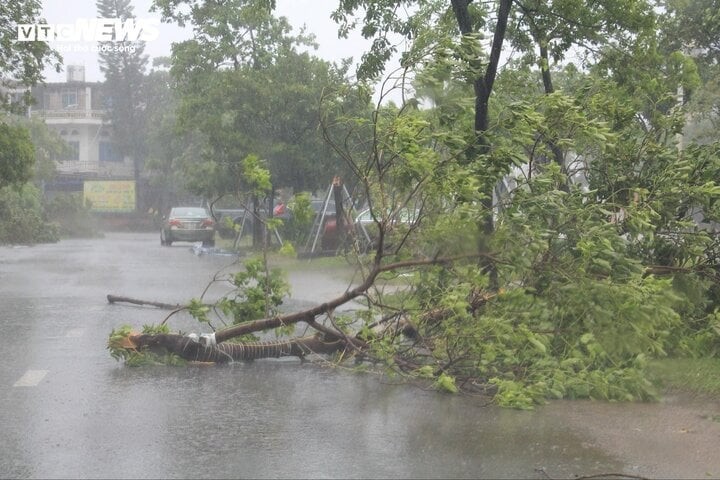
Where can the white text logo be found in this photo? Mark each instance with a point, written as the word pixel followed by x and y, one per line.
pixel 90 30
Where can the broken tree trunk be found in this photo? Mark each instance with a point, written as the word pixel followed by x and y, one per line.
pixel 193 349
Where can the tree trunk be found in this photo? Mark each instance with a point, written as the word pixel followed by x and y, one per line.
pixel 558 154
pixel 192 349
pixel 483 86
pixel 339 212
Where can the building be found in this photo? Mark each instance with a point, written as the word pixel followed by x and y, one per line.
pixel 75 110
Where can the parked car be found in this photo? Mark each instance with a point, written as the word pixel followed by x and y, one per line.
pixel 405 217
pixel 318 206
pixel 188 224
pixel 228 219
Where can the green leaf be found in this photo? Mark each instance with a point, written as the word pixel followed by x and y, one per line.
pixel 446 383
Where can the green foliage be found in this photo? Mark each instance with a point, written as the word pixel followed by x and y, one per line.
pixel 578 313
pixel 288 249
pixel 21 217
pixel 120 349
pixel 515 394
pixel 156 329
pixel 552 28
pixel 301 208
pixel 116 342
pixel 600 240
pixel 297 228
pixel 446 383
pixel 17 155
pixel 124 67
pixel 26 150
pixel 199 310
pixel 139 359
pixel 47 144
pixel 699 336
pixel 255 176
pixel 259 291
pixel 244 88
pixel 699 375
pixel 72 217
pixel 168 154
pixel 22 63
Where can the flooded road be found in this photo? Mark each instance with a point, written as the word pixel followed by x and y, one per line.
pixel 68 410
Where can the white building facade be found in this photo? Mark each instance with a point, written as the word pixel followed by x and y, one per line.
pixel 75 111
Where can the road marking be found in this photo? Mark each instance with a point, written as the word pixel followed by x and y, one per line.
pixel 75 332
pixel 31 378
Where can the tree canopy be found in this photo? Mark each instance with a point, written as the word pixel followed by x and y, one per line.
pixel 123 63
pixel 21 67
pixel 544 225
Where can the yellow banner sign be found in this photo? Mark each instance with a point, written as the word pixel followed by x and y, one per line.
pixel 110 195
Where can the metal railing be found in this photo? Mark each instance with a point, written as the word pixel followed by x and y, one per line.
pixel 75 166
pixel 70 114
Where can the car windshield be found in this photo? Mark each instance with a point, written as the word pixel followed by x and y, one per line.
pixel 189 212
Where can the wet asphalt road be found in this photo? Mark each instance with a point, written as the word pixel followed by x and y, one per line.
pixel 68 410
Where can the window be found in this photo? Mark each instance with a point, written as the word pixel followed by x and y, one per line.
pixel 108 152
pixel 73 152
pixel 74 132
pixel 69 100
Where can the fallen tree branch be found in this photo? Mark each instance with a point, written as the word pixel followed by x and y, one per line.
pixel 598 476
pixel 310 314
pixel 215 348
pixel 135 301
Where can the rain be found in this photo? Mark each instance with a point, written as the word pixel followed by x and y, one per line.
pixel 319 239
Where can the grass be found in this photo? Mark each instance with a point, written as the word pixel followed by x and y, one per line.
pixel 699 375
pixel 286 262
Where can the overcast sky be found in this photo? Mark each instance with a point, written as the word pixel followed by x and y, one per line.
pixel 315 14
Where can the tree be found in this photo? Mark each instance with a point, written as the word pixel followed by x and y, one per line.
pixel 27 148
pixel 24 145
pixel 480 75
pixel 554 28
pixel 278 110
pixel 246 90
pixel 21 67
pixel 586 279
pixel 692 28
pixel 123 63
pixel 170 156
pixel 17 157
pixel 22 63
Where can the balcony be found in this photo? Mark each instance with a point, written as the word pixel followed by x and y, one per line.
pixel 70 114
pixel 76 167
